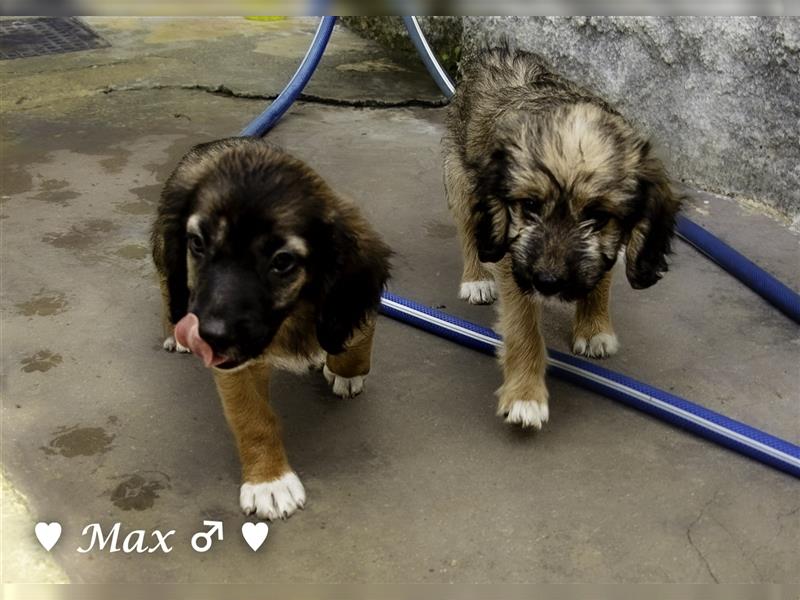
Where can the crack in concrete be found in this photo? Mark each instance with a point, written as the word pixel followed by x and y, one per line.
pixel 691 541
pixel 225 91
pixel 739 546
pixel 789 513
pixel 86 67
pixel 779 519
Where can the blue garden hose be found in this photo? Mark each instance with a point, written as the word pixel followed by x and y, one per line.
pixel 782 297
pixel 725 431
pixel 428 57
pixel 272 114
pixel 718 428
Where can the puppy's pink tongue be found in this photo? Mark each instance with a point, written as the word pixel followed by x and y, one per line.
pixel 187 333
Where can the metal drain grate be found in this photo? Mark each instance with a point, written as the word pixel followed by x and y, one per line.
pixel 39 36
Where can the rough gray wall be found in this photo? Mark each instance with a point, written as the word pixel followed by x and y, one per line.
pixel 720 96
pixel 442 33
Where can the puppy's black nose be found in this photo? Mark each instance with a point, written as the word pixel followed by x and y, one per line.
pixel 547 283
pixel 215 333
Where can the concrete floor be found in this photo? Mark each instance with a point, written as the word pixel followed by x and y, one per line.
pixel 416 480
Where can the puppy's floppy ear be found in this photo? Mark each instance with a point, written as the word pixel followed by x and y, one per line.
pixel 169 243
pixel 354 277
pixel 490 214
pixel 650 238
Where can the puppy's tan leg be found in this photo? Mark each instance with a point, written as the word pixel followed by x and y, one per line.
pixel 170 344
pixel 347 371
pixel 477 284
pixel 592 333
pixel 269 486
pixel 523 395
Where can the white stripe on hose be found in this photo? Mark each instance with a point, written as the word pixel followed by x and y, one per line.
pixel 435 62
pixel 684 414
pixel 437 321
pixel 642 396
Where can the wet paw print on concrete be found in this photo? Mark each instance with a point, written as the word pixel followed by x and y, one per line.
pixel 148 196
pixel 117 161
pixel 133 252
pixel 79 441
pixel 139 491
pixel 82 237
pixel 44 303
pixel 16 180
pixel 42 361
pixel 56 191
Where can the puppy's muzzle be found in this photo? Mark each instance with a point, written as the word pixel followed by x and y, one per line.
pixel 234 339
pixel 547 284
pixel 210 339
pixel 217 334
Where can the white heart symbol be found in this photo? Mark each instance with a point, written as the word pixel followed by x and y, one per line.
pixel 47 534
pixel 255 534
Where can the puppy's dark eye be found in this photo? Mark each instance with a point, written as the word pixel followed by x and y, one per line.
pixel 196 245
pixel 599 218
pixel 532 206
pixel 283 262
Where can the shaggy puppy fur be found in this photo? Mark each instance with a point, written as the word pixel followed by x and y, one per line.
pixel 262 265
pixel 547 184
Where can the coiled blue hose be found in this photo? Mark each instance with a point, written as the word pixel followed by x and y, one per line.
pixel 727 432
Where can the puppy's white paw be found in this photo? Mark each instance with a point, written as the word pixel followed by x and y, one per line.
pixel 601 345
pixel 171 345
pixel 345 387
pixel 478 292
pixel 526 413
pixel 276 499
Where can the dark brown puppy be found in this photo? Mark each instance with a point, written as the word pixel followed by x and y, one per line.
pixel 547 183
pixel 262 265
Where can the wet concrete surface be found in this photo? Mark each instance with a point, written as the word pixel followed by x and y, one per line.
pixel 416 480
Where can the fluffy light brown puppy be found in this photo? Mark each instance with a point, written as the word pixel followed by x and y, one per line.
pixel 263 266
pixel 547 184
